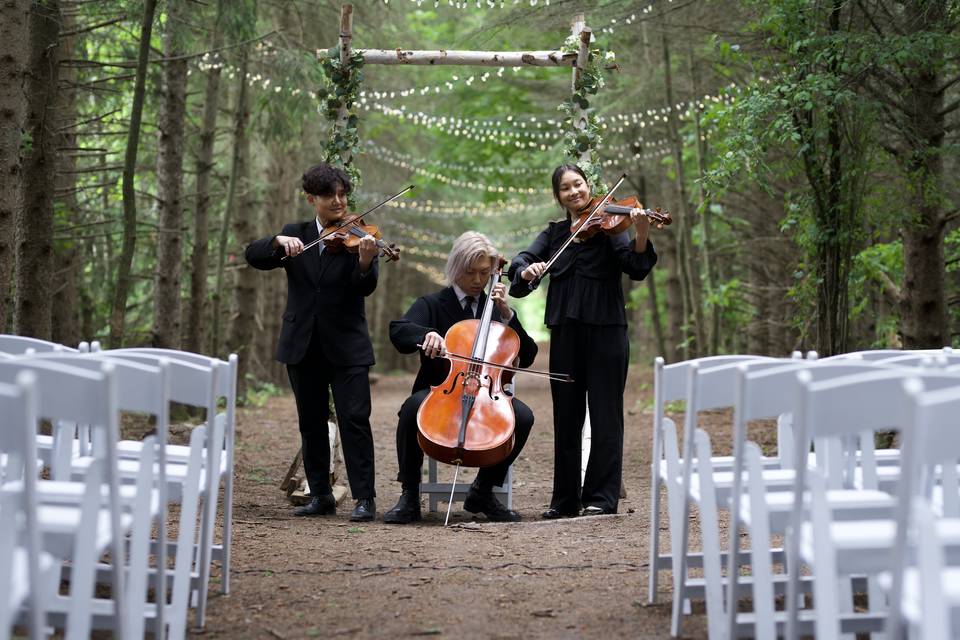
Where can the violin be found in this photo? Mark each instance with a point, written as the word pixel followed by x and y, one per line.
pixel 346 235
pixel 613 216
pixel 603 214
pixel 347 227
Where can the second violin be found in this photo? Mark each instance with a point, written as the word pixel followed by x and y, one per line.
pixel 613 216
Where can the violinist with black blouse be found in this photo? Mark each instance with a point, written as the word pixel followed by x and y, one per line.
pixel 469 267
pixel 586 315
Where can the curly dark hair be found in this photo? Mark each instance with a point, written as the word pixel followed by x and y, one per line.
pixel 322 179
pixel 558 173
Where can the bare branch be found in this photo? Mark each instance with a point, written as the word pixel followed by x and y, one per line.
pixel 83 122
pixel 953 106
pixel 92 27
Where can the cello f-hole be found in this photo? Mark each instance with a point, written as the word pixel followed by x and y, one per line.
pixel 453 384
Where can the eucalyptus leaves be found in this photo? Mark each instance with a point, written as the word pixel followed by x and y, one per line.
pixel 583 127
pixel 342 92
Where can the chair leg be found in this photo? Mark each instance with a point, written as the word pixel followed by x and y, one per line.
pixel 654 536
pixel 227 530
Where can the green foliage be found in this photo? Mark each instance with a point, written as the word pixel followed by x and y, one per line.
pixel 343 86
pixel 259 391
pixel 577 140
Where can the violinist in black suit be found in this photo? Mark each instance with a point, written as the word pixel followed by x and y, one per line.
pixel 469 267
pixel 324 340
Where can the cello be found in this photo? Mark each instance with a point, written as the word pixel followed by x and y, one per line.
pixel 468 419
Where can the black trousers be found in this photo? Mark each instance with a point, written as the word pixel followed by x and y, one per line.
pixel 410 455
pixel 351 395
pixel 597 357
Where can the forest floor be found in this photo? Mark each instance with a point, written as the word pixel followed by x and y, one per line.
pixel 327 577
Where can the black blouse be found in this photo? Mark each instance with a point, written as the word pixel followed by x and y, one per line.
pixel 585 279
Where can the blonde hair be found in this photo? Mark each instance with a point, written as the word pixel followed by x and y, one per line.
pixel 466 249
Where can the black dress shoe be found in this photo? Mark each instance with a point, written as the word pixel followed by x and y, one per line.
pixel 484 502
pixel 593 510
pixel 324 505
pixel 554 514
pixel 365 510
pixel 406 510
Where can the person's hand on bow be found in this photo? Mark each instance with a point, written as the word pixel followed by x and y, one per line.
pixel 433 345
pixel 291 246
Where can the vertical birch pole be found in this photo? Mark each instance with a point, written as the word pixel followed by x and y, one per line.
pixel 346 35
pixel 579 28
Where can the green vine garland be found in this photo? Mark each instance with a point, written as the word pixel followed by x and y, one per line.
pixel 343 90
pixel 578 141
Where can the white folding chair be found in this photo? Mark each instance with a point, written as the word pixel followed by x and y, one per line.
pixel 670 385
pixel 226 388
pixel 764 394
pixel 883 354
pixel 836 409
pixel 929 593
pixel 19 345
pixel 218 454
pixel 28 575
pixel 71 393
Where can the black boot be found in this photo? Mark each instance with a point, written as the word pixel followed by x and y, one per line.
pixel 324 505
pixel 483 501
pixel 365 511
pixel 407 509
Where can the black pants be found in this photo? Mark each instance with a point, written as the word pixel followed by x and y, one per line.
pixel 351 395
pixel 410 455
pixel 597 357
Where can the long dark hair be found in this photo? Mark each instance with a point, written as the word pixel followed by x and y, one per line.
pixel 558 173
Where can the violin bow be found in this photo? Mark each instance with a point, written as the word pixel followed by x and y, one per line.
pixel 352 220
pixel 559 377
pixel 533 283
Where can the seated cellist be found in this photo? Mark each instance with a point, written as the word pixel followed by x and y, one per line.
pixel 469 267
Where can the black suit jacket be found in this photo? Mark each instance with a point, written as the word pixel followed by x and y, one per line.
pixel 324 295
pixel 438 312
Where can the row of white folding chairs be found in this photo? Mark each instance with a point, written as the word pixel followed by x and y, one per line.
pixel 719 389
pixel 184 389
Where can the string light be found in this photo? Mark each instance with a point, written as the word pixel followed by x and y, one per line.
pixel 455 210
pixel 463 4
pixel 468 167
pixel 463 184
pixel 630 20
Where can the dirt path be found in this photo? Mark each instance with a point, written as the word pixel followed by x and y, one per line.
pixel 325 577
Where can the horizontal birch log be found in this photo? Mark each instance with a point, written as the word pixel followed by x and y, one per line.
pixel 474 58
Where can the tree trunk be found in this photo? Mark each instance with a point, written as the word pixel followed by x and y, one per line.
pixel 247 278
pixel 676 349
pixel 712 331
pixel 688 271
pixel 66 307
pixel 194 338
pixel 166 314
pixel 923 307
pixel 239 134
pixel 14 65
pixel 125 262
pixel 35 227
